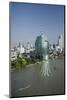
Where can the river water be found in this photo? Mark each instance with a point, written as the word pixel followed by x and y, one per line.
pixel 45 78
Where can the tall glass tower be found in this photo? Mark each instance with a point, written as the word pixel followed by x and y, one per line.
pixel 42 47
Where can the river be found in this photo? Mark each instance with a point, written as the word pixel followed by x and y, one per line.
pixel 45 78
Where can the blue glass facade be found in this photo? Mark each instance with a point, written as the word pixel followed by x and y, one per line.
pixel 42 47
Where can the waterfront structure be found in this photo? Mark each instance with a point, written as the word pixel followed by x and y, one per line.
pixel 42 47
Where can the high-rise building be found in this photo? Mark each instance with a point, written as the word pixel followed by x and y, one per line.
pixel 61 41
pixel 42 47
pixel 20 49
pixel 28 47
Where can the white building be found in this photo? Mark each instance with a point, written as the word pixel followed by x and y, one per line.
pixel 61 41
pixel 51 47
pixel 59 49
pixel 13 55
pixel 20 49
pixel 29 48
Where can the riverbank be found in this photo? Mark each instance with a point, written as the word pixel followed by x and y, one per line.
pixel 37 62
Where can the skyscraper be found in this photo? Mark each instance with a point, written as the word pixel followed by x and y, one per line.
pixel 61 41
pixel 42 47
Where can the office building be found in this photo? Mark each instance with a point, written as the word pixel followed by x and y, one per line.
pixel 42 47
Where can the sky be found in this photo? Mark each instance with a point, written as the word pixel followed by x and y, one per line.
pixel 27 21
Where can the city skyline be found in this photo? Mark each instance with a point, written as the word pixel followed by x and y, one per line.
pixel 30 20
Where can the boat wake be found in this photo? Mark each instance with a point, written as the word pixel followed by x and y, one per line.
pixel 21 89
